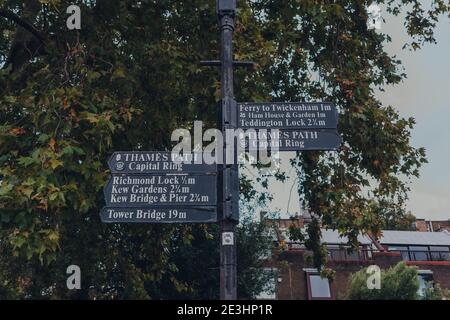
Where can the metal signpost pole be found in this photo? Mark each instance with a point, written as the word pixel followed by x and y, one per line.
pixel 226 10
pixel 191 195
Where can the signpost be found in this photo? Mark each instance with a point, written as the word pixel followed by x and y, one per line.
pixel 161 187
pixel 302 126
pixel 156 187
pixel 228 174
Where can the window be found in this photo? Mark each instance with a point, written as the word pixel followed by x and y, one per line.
pixel 440 253
pixel 318 287
pixel 419 253
pixel 343 253
pixel 403 251
pixel 425 281
pixel 336 252
pixel 354 255
pixel 423 253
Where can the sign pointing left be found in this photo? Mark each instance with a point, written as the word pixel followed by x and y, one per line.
pixel 158 162
pixel 159 214
pixel 167 189
pixel 160 187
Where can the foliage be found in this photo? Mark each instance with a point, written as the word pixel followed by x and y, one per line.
pixel 396 220
pixel 68 99
pixel 254 245
pixel 197 264
pixel 397 283
pixel 433 291
pixel 336 58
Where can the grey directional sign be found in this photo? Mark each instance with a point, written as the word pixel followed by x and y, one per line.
pixel 150 214
pixel 287 115
pixel 157 162
pixel 124 190
pixel 293 140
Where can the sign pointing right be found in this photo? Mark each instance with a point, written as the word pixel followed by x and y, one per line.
pixel 293 140
pixel 287 115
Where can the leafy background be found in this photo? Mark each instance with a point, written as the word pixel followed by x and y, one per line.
pixel 128 78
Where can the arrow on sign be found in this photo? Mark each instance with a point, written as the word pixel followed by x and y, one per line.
pixel 294 140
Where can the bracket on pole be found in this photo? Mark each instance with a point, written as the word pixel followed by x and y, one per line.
pixel 217 63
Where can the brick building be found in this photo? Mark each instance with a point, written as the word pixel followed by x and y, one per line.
pixel 431 226
pixel 296 279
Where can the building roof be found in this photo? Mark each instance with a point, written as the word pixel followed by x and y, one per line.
pixel 332 237
pixel 389 237
pixel 415 238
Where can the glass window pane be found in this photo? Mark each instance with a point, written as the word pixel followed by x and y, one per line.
pixel 337 254
pixel 403 251
pixel 419 253
pixel 418 248
pixel 436 248
pixel 405 255
pixel 320 288
pixel 440 256
pixel 354 255
pixel 444 253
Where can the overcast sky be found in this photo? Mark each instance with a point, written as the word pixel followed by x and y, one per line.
pixel 424 95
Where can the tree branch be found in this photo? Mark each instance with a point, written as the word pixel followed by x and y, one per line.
pixel 24 24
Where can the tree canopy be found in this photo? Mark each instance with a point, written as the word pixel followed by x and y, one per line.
pixel 399 282
pixel 69 98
